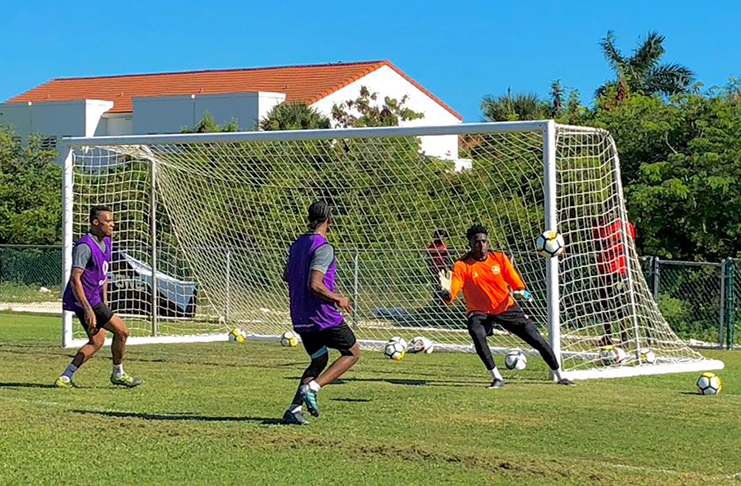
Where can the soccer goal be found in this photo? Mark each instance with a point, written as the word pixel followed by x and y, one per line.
pixel 204 223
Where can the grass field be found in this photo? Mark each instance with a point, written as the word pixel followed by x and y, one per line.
pixel 209 414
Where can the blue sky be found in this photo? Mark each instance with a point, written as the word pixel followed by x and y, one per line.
pixel 460 51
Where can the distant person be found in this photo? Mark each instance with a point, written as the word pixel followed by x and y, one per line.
pixel 613 272
pixel 86 295
pixel 438 260
pixel 315 314
pixel 489 282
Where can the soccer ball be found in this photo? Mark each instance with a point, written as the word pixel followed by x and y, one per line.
pixel 420 345
pixel 515 360
pixel 612 355
pixel 288 340
pixel 648 356
pixel 237 335
pixel 549 244
pixel 395 350
pixel 709 384
pixel 400 340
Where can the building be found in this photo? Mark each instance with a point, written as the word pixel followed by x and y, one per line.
pixel 168 102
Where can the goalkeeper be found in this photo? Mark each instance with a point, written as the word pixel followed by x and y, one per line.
pixel 486 278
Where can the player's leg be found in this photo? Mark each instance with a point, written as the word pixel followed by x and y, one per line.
pixel 96 339
pixel 118 348
pixel 479 327
pixel 518 323
pixel 342 339
pixel 319 358
pixel 605 299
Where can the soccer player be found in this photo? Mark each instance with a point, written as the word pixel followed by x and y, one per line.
pixel 315 314
pixel 86 295
pixel 438 260
pixel 486 278
pixel 612 269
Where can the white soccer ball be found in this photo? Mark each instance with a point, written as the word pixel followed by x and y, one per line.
pixel 395 350
pixel 709 384
pixel 515 360
pixel 549 244
pixel 612 355
pixel 401 340
pixel 648 356
pixel 289 340
pixel 420 345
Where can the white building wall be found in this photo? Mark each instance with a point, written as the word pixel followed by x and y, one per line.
pixel 170 114
pixel 55 118
pixel 387 82
pixel 116 124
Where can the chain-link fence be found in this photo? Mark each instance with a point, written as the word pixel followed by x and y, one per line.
pixel 31 278
pixel 701 301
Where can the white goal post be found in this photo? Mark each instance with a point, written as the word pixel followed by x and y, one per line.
pixel 204 223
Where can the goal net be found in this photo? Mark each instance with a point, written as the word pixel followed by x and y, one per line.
pixel 204 223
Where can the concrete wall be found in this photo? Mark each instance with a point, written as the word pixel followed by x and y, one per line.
pixel 55 118
pixel 170 114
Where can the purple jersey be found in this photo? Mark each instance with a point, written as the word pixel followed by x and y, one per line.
pixel 309 313
pixel 93 277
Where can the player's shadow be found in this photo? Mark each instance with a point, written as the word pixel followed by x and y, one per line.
pixel 352 400
pixel 179 417
pixel 26 385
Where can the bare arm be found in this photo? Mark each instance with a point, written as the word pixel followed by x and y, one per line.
pixel 316 285
pixel 80 296
pixel 105 291
pixel 285 274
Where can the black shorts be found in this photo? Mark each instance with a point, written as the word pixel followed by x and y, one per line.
pixel 339 337
pixel 103 315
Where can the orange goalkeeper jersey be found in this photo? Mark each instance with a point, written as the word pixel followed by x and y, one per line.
pixel 486 284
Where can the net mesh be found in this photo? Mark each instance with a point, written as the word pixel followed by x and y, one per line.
pixel 227 213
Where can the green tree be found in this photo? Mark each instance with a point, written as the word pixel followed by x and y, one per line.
pixel 209 125
pixel 642 72
pixel 372 114
pixel 522 106
pixel 293 116
pixel 681 170
pixel 30 191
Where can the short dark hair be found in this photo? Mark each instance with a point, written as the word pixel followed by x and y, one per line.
pixel 318 213
pixel 476 229
pixel 96 210
pixel 440 234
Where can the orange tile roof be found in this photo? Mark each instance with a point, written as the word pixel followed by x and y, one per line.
pixel 308 83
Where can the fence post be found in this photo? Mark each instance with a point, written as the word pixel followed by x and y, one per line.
pixel 355 269
pixel 228 284
pixel 723 302
pixel 730 303
pixel 655 273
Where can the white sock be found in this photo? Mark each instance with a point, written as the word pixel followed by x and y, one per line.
pixel 558 374
pixel 69 372
pixel 294 408
pixel 118 371
pixel 314 386
pixel 496 374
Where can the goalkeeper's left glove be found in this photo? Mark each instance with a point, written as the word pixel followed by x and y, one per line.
pixel 522 295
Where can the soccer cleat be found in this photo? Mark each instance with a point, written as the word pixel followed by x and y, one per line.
pixel 294 418
pixel 60 383
pixel 126 380
pixel 565 382
pixel 497 383
pixel 309 397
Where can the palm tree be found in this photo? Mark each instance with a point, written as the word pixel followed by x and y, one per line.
pixel 641 72
pixel 293 116
pixel 522 106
